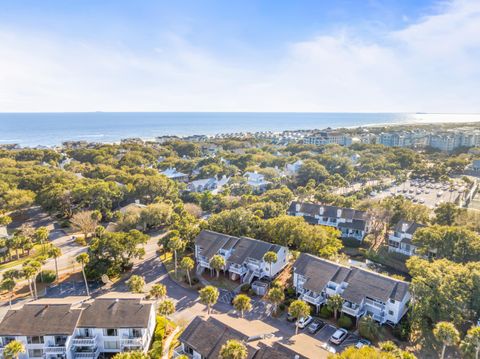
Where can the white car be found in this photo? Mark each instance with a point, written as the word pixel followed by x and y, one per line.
pixel 339 336
pixel 362 343
pixel 303 322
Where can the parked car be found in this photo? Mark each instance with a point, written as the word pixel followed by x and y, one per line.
pixel 303 322
pixel 315 326
pixel 362 343
pixel 339 336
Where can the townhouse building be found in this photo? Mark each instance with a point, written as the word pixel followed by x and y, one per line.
pixel 204 338
pixel 79 327
pixel 350 222
pixel 364 292
pixel 243 256
pixel 291 169
pixel 400 239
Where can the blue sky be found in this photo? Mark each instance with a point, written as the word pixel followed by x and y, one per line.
pixel 199 55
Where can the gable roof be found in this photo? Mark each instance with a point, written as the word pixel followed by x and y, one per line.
pixel 361 283
pixel 116 313
pixel 313 209
pixel 40 319
pixel 242 248
pixel 407 227
pixel 207 337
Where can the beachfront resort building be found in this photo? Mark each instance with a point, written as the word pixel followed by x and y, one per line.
pixel 350 222
pixel 364 292
pixel 243 256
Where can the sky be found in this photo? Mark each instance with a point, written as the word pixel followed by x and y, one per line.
pixel 240 55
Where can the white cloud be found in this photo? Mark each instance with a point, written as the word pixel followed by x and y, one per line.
pixel 433 65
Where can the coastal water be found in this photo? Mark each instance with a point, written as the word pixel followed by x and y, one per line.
pixel 49 129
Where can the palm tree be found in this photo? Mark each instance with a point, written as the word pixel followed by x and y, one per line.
pixel 298 309
pixel 41 236
pixel 447 334
pixel 83 259
pixel 136 284
pixel 208 296
pixel 270 258
pixel 175 244
pixel 187 265
pixel 471 342
pixel 242 303
pixel 54 253
pixel 218 263
pixel 335 303
pixel 28 272
pixel 13 349
pixel 233 349
pixel 8 284
pixel 276 296
pixel 158 291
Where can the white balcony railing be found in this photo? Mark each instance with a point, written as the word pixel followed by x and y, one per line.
pixel 87 354
pixel 84 341
pixel 313 298
pixel 352 310
pixel 240 270
pixel 132 342
pixel 55 349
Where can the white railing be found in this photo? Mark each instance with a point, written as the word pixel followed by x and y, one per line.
pixel 130 341
pixel 312 298
pixel 55 349
pixel 84 341
pixel 88 354
pixel 351 311
pixel 237 269
pixel 374 304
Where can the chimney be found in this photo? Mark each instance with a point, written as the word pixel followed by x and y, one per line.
pixel 339 212
pixel 404 227
pixel 137 201
pixel 297 207
pixel 321 210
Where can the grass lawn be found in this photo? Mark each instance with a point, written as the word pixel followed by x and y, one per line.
pixel 221 282
pixel 34 253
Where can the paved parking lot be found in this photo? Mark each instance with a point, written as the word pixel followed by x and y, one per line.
pixel 426 193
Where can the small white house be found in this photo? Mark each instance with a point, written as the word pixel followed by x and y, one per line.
pixel 364 292
pixel 257 181
pixel 212 184
pixel 292 169
pixel 243 256
pixel 173 174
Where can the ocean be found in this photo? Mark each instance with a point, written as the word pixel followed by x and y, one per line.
pixel 50 129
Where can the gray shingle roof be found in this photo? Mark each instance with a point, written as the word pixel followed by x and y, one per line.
pixel 313 209
pixel 243 247
pixel 407 227
pixel 361 283
pixel 207 337
pixel 116 313
pixel 40 319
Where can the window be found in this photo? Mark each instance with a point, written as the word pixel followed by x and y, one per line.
pixel 390 312
pixel 35 340
pixel 136 333
pixel 392 301
pixel 35 353
pixel 111 344
pixel 60 340
pixel 110 332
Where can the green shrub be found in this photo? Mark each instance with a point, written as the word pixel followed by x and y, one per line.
pixel 290 293
pixel 403 329
pixel 195 280
pixel 245 288
pixel 351 242
pixel 368 328
pixel 325 312
pixel 282 307
pixel 47 276
pixel 345 322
